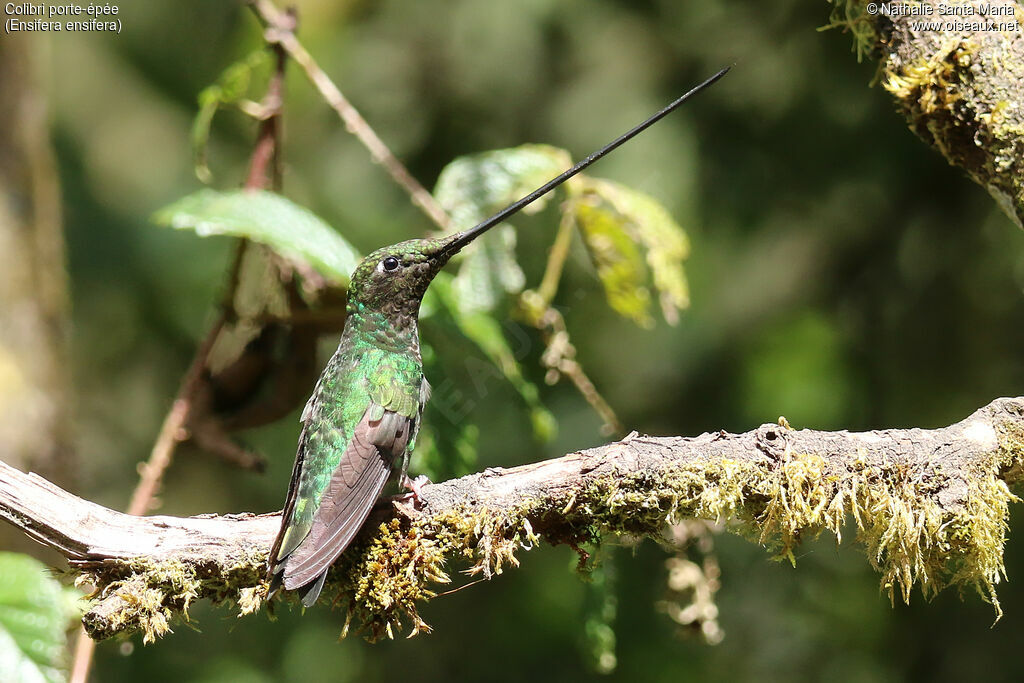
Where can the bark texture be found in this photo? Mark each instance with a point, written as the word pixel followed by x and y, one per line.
pixel 956 69
pixel 33 287
pixel 930 507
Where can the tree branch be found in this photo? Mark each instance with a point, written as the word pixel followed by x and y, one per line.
pixel 930 507
pixel 281 32
pixel 959 87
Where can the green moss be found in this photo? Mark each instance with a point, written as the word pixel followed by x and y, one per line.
pixel 851 16
pixel 145 599
pixel 920 527
pixel 383 578
pixel 909 537
pixel 141 595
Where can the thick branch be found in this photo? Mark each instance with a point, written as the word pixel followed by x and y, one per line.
pixel 930 505
pixel 957 78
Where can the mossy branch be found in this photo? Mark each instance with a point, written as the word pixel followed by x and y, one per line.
pixel 958 79
pixel 929 506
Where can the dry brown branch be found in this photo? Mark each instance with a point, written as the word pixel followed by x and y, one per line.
pixel 280 31
pixel 264 171
pixel 930 506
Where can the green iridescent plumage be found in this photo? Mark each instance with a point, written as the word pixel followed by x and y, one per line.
pixel 361 422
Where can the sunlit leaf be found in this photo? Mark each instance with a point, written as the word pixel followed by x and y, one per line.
pixel 616 257
pixel 268 218
pixel 666 242
pixel 35 613
pixel 474 187
pixel 649 224
pixel 471 188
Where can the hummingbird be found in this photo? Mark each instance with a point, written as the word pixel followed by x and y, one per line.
pixel 360 424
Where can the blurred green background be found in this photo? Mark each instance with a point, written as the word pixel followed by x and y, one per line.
pixel 842 275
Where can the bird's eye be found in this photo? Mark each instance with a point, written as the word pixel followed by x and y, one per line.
pixel 390 264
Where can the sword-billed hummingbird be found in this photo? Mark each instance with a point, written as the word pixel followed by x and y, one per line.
pixel 361 422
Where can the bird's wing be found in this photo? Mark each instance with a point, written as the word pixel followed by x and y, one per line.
pixel 346 502
pixel 381 437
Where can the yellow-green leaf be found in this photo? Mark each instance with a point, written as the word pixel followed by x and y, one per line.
pixel 616 257
pixel 650 225
pixel 474 187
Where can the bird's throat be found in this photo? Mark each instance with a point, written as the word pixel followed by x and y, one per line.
pixel 393 330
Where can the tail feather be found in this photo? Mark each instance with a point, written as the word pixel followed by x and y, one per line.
pixel 311 591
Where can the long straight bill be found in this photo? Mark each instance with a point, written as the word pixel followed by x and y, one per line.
pixel 459 240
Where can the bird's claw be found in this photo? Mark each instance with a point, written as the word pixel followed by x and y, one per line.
pixel 414 487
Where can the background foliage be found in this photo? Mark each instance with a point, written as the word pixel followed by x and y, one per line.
pixel 841 275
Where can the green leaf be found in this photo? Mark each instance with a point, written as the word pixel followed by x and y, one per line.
pixel 617 260
pixel 35 613
pixel 489 271
pixel 484 331
pixel 649 224
pixel 471 189
pixel 231 87
pixel 292 231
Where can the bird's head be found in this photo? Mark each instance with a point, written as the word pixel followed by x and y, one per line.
pixel 392 280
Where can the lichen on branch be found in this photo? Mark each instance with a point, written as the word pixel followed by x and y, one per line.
pixel 928 506
pixel 957 78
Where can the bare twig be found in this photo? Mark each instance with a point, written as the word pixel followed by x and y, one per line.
pixel 556 258
pixel 264 171
pixel 267 151
pixel 281 32
pixel 172 432
pixel 930 506
pixel 560 355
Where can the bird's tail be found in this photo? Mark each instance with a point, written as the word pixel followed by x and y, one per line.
pixel 307 593
pixel 311 591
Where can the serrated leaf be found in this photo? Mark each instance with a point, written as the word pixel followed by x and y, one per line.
pixel 666 242
pixel 649 224
pixel 35 612
pixel 473 187
pixel 294 232
pixel 616 258
pixel 484 331
pixel 470 189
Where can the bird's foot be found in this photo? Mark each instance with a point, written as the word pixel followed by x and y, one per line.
pixel 414 488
